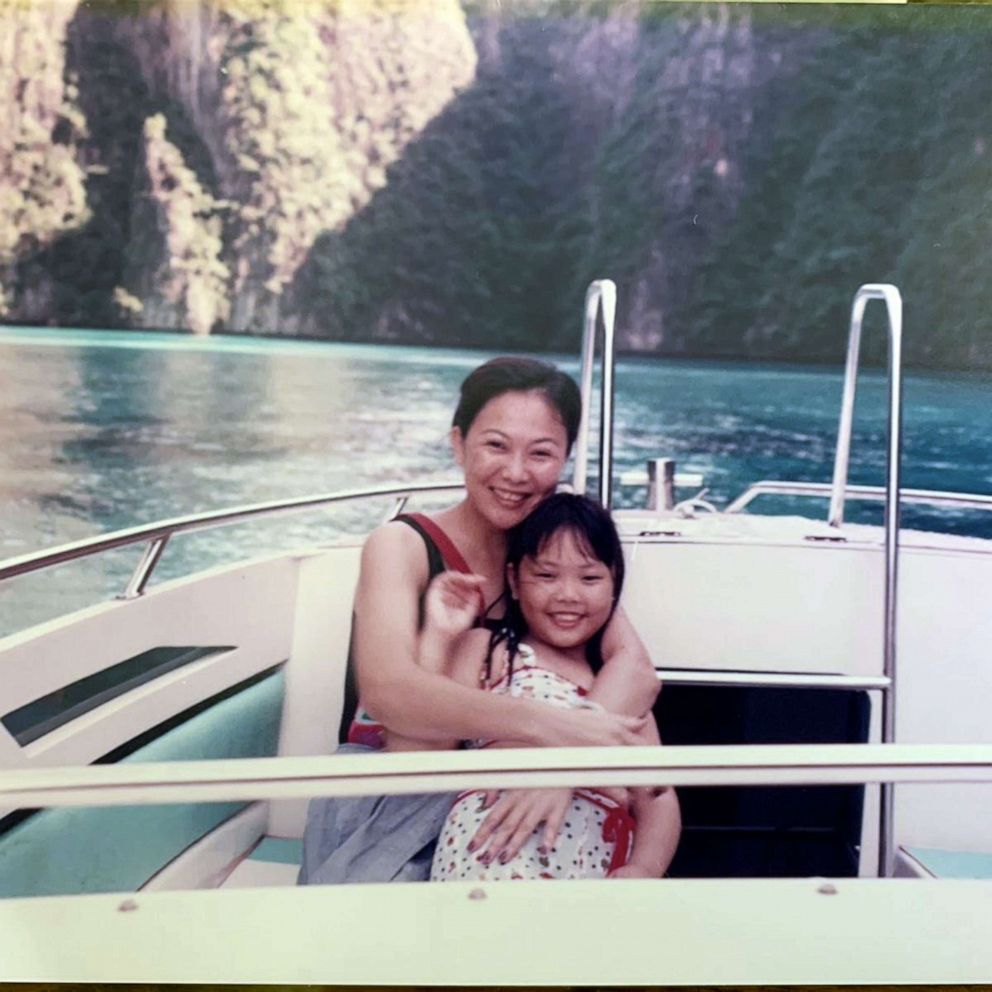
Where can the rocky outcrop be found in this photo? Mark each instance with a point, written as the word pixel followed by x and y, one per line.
pixel 665 100
pixel 596 141
pixel 42 193
pixel 301 109
pixel 182 281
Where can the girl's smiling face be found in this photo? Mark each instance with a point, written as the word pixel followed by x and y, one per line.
pixel 566 594
pixel 512 455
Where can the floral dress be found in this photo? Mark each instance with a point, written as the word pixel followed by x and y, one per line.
pixel 597 832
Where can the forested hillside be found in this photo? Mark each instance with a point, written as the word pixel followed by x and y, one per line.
pixel 419 171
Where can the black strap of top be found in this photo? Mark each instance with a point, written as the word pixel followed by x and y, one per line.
pixel 435 560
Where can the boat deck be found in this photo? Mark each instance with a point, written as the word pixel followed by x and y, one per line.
pixel 272 862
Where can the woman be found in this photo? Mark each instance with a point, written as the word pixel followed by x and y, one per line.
pixel 515 424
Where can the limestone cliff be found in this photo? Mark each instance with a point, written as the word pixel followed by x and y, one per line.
pixel 186 284
pixel 300 109
pixel 42 191
pixel 428 172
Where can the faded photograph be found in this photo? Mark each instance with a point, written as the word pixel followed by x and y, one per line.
pixel 495 441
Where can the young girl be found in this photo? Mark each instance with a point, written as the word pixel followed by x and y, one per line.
pixel 565 572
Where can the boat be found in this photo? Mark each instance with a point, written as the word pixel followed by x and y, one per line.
pixel 824 716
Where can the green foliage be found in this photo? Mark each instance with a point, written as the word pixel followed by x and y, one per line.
pixel 738 169
pixel 42 192
pixel 192 277
pixel 873 170
pixel 276 102
pixel 467 243
pixel 84 266
pixel 866 157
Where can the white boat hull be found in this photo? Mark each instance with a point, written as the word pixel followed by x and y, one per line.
pixel 742 931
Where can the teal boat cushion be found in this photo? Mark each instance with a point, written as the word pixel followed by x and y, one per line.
pixel 279 850
pixel 953 864
pixel 73 850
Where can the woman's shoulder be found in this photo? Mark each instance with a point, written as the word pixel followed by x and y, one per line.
pixel 396 548
pixel 394 536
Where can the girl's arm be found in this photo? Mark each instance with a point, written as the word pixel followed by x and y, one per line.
pixel 627 682
pixel 414 701
pixel 659 824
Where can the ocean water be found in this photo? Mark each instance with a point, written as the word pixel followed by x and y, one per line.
pixel 105 430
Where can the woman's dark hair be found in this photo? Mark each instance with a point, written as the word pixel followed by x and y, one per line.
pixel 511 374
pixel 596 534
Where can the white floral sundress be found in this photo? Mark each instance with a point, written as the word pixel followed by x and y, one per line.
pixel 597 833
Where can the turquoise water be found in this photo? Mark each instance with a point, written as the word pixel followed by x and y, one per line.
pixel 105 430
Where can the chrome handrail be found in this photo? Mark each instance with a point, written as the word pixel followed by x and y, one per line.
pixel 890 296
pixel 923 497
pixel 157 534
pixel 600 296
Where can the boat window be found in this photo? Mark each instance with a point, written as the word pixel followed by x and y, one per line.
pixel 41 716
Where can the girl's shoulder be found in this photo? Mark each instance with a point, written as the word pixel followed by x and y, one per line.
pixel 530 663
pixel 500 664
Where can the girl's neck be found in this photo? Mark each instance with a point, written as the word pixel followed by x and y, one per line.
pixel 575 655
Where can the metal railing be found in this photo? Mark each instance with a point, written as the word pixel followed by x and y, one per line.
pixel 922 497
pixel 890 296
pixel 158 534
pixel 601 296
pixel 778 680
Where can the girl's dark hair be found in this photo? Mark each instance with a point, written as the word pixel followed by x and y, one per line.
pixel 596 534
pixel 511 374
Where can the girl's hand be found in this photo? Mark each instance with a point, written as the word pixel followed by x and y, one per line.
pixel 588 728
pixel 451 603
pixel 632 871
pixel 515 816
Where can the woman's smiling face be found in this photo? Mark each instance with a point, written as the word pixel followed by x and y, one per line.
pixel 512 455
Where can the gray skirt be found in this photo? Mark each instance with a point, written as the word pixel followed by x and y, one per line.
pixel 371 838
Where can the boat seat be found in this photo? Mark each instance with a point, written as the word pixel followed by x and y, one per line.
pixel 274 861
pixel 951 864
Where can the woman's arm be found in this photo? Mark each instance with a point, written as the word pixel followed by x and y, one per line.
pixel 658 825
pixel 416 702
pixel 627 682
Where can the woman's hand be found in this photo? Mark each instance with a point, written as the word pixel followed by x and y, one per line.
pixel 451 603
pixel 515 815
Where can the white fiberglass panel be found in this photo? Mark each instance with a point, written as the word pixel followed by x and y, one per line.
pixel 772 931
